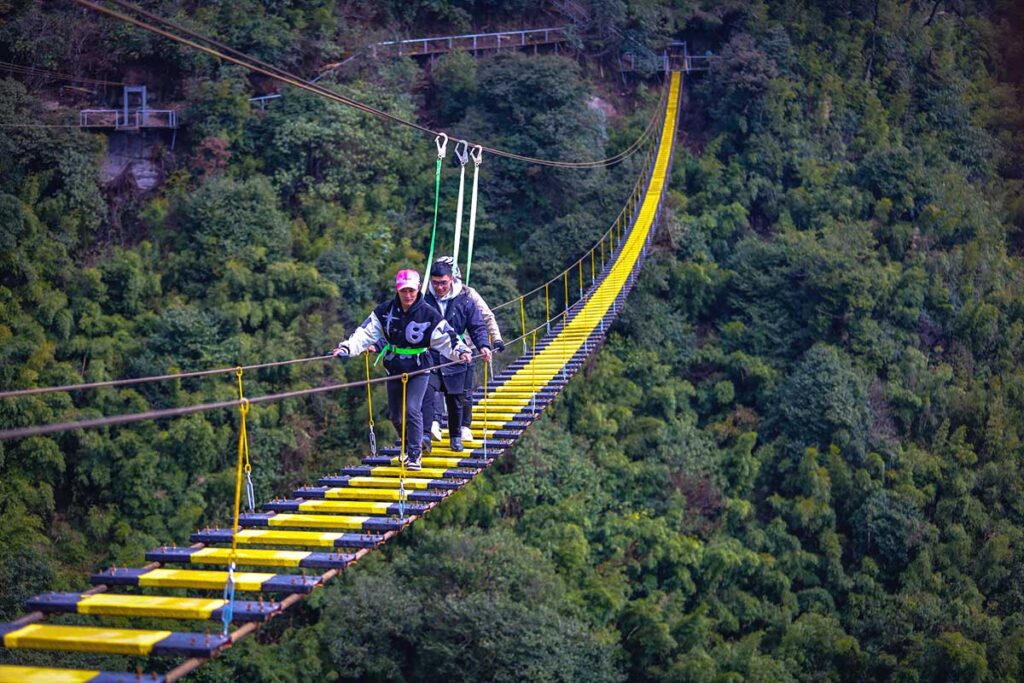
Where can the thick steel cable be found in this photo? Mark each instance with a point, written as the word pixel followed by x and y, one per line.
pixel 285 74
pixel 40 72
pixel 286 77
pixel 156 378
pixel 41 430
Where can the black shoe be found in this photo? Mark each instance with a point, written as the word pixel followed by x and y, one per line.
pixel 456 444
pixel 413 461
pixel 427 446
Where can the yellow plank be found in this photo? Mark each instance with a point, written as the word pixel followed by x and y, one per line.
pixel 351 507
pixel 316 539
pixel 391 471
pixel 292 520
pixel 35 674
pixel 250 556
pixel 197 578
pixel 411 483
pixel 438 460
pixel 356 493
pixel 108 604
pixel 84 639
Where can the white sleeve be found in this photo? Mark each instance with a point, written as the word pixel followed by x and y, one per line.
pixel 441 341
pixel 365 336
pixel 486 313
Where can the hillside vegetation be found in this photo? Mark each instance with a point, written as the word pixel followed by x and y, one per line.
pixel 799 456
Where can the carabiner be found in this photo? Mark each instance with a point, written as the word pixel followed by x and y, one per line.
pixel 462 156
pixel 442 145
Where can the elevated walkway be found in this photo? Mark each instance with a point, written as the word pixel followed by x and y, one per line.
pixel 330 525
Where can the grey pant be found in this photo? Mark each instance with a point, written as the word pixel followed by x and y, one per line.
pixel 413 409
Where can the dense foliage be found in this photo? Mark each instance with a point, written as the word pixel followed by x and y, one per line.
pixel 797 458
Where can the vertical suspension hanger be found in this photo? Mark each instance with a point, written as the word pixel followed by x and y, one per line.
pixel 369 404
pixel 463 157
pixel 442 150
pixel 243 450
pixel 250 491
pixel 477 154
pixel 402 453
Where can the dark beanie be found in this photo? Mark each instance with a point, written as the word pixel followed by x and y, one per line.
pixel 440 269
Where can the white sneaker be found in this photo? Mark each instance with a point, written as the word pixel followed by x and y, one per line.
pixel 467 435
pixel 435 430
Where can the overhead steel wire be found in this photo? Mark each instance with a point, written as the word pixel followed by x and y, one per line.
pixel 241 59
pixel 28 70
pixel 154 378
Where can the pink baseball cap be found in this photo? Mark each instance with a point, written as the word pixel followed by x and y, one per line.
pixel 407 279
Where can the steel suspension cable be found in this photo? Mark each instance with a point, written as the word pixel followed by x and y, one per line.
pixel 442 150
pixel 243 60
pixel 156 378
pixel 164 413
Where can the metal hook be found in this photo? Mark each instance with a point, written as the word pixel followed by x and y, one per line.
pixel 477 154
pixel 442 145
pixel 250 492
pixel 462 156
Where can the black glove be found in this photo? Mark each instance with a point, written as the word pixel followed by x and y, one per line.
pixel 499 345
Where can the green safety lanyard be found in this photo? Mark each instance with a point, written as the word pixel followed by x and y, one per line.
pixel 442 149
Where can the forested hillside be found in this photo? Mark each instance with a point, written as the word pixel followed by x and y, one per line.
pixel 799 456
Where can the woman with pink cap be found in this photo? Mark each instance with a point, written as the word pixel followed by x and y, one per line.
pixel 402 329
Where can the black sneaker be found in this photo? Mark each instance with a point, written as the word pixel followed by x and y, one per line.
pixel 427 446
pixel 413 461
pixel 456 444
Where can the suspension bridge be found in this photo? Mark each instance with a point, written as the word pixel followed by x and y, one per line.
pixel 328 526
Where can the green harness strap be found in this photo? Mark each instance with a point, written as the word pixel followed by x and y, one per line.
pixel 398 350
pixel 442 150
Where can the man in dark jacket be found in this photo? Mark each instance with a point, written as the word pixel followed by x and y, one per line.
pixel 449 298
pixel 412 337
pixel 497 346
